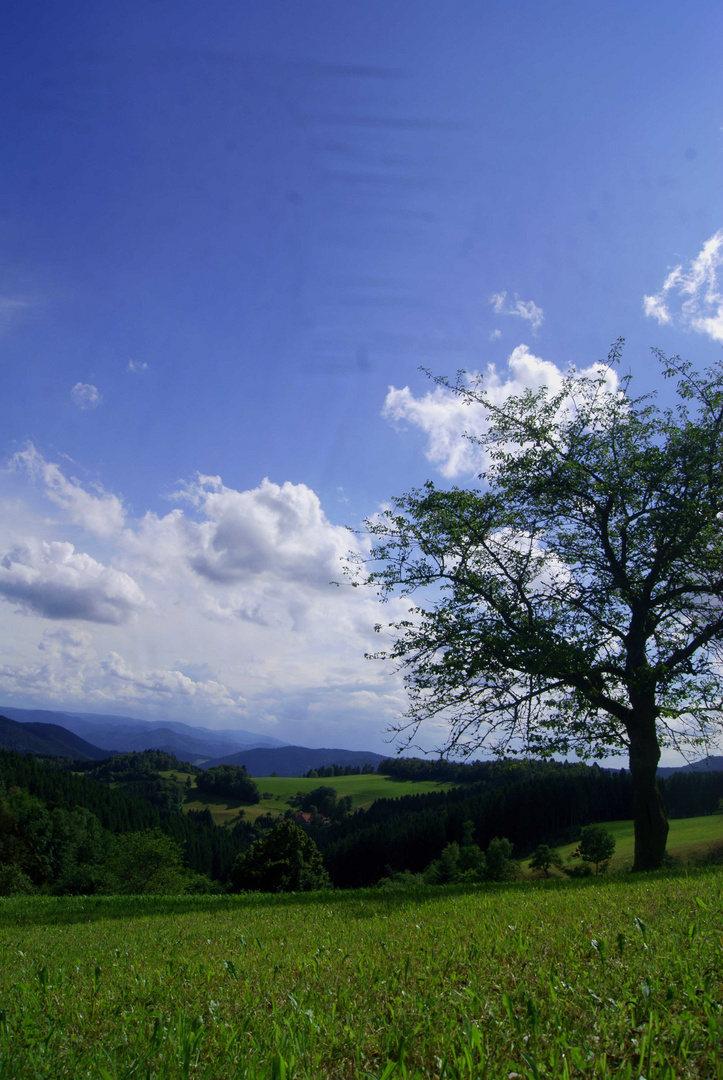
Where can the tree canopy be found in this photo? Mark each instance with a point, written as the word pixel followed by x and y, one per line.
pixel 597 846
pixel 145 862
pixel 285 859
pixel 571 602
pixel 228 781
pixel 544 857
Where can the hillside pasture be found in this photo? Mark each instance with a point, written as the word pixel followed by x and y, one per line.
pixel 364 789
pixel 688 838
pixel 615 978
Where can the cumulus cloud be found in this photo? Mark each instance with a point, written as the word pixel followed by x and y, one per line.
pixel 521 309
pixel 278 530
pixel 136 365
pixel 129 683
pixel 101 514
pixel 238 582
pixel 447 419
pixel 233 608
pixel 55 581
pixel 692 296
pixel 86 396
pixel 70 644
pixel 61 673
pixel 70 668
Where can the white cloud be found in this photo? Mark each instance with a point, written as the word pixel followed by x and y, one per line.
pixel 55 581
pixel 86 396
pixel 237 582
pixel 521 309
pixel 136 365
pixel 699 289
pixel 70 644
pixel 70 668
pixel 129 684
pixel 446 418
pixel 101 514
pixel 277 530
pixel 59 676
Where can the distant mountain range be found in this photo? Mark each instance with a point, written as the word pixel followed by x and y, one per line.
pixel 296 760
pixel 123 734
pixel 93 736
pixel 709 764
pixel 46 740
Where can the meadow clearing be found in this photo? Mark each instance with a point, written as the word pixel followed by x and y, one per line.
pixel 619 977
pixel 688 839
pixel 276 791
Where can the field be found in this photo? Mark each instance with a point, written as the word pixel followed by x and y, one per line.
pixel 687 839
pixel 617 978
pixel 363 790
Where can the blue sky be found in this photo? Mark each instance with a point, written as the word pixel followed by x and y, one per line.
pixel 227 230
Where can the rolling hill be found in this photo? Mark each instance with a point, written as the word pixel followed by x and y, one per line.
pixel 296 760
pixel 125 734
pixel 47 740
pixel 708 764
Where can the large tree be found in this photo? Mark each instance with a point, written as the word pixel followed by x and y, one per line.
pixel 572 602
pixel 284 859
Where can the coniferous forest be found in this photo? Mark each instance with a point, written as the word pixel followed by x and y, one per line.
pixel 60 820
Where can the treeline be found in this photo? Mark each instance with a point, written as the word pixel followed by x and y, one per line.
pixel 526 802
pixel 133 766
pixel 456 772
pixel 410 769
pixel 139 774
pixel 57 823
pixel 325 772
pixel 42 804
pixel 228 781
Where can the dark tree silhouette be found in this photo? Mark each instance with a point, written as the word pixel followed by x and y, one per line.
pixel 285 859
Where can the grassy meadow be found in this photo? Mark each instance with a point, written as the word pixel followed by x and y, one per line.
pixel 364 789
pixel 621 977
pixel 689 838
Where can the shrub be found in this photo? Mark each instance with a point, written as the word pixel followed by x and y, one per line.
pixel 285 859
pixel 597 846
pixel 545 857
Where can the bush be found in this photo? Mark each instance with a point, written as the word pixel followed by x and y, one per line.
pixel 597 846
pixel 579 871
pixel 469 864
pixel 145 862
pixel 13 882
pixel 545 857
pixel 285 859
pixel 404 879
pixel 712 857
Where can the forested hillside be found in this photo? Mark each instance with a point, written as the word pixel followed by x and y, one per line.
pixel 526 802
pixel 37 796
pixel 296 760
pixel 58 819
pixel 46 739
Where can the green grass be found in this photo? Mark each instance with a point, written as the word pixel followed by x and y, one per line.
pixel 617 978
pixel 363 790
pixel 687 839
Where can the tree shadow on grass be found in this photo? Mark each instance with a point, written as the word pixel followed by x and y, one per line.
pixel 364 904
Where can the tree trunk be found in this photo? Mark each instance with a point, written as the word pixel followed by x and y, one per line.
pixel 649 816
